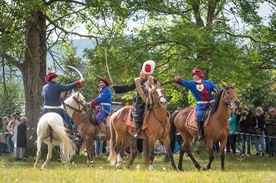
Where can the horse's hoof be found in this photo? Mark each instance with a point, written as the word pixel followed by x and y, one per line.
pixel 206 168
pixel 119 166
pixel 181 169
pixel 90 166
pixel 151 167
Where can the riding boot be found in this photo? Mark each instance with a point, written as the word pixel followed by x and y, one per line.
pixel 103 130
pixel 73 132
pixel 137 130
pixel 74 128
pixel 199 126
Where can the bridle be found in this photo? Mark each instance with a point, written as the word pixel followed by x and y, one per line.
pixel 227 100
pixel 80 104
pixel 157 101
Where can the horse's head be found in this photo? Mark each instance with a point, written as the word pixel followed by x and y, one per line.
pixel 230 96
pixel 76 102
pixel 158 96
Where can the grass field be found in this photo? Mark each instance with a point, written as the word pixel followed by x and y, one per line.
pixel 251 169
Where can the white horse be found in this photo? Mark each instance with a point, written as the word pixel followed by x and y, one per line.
pixel 51 131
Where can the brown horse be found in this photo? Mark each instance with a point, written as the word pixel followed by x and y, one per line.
pixel 216 127
pixel 156 126
pixel 89 131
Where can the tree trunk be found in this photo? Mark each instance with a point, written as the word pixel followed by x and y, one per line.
pixel 34 67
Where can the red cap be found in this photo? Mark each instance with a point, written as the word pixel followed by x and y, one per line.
pixel 105 80
pixel 49 76
pixel 198 72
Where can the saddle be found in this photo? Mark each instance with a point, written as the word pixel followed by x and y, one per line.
pixel 191 120
pixel 128 120
pixel 91 114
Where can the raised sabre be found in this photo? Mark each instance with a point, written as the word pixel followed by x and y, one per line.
pixel 76 70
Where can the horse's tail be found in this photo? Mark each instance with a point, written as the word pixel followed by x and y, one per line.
pixel 112 142
pixel 172 131
pixel 69 144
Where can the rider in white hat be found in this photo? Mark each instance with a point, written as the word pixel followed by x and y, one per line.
pixel 139 101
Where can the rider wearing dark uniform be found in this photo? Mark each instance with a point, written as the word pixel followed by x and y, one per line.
pixel 140 100
pixel 51 94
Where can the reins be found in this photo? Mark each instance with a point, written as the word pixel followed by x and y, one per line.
pixel 79 104
pixel 154 105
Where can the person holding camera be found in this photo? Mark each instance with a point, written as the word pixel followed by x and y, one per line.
pixel 259 125
pixel 245 123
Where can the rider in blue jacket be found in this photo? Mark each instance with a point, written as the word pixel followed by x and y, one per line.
pixel 103 103
pixel 51 94
pixel 202 92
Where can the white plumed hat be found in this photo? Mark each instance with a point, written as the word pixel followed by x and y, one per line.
pixel 148 67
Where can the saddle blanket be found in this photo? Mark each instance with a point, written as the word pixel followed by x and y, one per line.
pixel 129 122
pixel 191 120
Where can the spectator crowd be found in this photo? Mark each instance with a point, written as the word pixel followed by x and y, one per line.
pixel 13 135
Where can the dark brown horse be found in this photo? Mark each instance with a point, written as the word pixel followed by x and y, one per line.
pixel 216 127
pixel 87 128
pixel 156 126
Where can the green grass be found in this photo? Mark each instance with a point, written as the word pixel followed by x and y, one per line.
pixel 251 169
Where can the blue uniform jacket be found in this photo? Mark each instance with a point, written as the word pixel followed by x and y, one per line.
pixel 103 100
pixel 205 94
pixel 51 92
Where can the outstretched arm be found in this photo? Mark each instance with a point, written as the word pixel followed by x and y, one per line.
pixel 124 88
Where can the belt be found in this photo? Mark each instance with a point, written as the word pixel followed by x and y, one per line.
pixel 106 104
pixel 205 102
pixel 52 107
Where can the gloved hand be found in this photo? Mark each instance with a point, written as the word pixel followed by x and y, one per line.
pixel 87 104
pixel 177 79
pixel 93 103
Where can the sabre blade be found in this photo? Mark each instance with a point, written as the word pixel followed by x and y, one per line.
pixel 76 70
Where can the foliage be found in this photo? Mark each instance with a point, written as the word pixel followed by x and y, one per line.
pixel 15 101
pixel 178 35
pixel 11 95
pixel 178 44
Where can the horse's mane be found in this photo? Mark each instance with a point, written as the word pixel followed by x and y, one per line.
pixel 215 107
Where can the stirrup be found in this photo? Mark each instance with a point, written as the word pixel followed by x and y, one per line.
pixel 136 135
pixel 199 137
pixel 102 135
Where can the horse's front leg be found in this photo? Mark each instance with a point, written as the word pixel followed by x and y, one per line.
pixel 211 155
pixel 89 142
pixel 49 156
pixel 151 152
pixel 222 155
pixel 166 142
pixel 38 153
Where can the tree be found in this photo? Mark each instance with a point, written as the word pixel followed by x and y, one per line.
pixel 181 35
pixel 27 31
